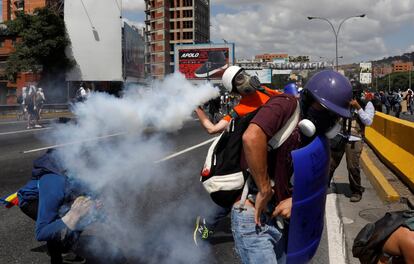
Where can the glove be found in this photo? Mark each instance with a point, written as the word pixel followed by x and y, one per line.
pixel 79 209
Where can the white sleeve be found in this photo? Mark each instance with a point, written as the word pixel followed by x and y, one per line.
pixel 367 115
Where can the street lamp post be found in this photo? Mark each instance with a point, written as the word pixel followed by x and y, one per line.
pixel 336 32
pixel 331 60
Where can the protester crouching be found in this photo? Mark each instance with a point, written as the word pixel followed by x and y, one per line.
pixel 388 240
pixel 63 208
pixel 258 237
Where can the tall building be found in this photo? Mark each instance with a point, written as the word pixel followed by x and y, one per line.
pixel 268 57
pixel 9 90
pixel 399 66
pixel 11 7
pixel 171 22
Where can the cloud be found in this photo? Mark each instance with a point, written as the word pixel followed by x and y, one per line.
pixel 410 48
pixel 282 26
pixel 137 24
pixel 133 5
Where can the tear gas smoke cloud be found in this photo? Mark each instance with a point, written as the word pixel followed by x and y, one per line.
pixel 144 214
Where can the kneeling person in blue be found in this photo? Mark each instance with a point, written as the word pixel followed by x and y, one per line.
pixel 62 210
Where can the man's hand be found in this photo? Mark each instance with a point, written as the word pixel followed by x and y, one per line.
pixel 284 208
pixel 354 104
pixel 262 199
pixel 80 208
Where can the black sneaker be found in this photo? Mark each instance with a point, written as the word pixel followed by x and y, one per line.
pixel 201 230
pixel 215 63
pixel 355 197
pixel 72 258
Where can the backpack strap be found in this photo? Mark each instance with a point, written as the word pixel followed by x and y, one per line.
pixel 280 137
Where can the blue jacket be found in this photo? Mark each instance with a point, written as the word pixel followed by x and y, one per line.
pixel 54 191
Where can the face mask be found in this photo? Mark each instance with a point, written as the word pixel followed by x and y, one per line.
pixel 331 133
pixel 246 84
pixel 322 119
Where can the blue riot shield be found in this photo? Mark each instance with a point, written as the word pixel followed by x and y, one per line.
pixel 311 164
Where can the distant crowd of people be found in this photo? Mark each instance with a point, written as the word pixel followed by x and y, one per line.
pixel 31 102
pixel 391 102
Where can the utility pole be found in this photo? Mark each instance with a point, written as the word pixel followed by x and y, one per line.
pixel 208 66
pixel 389 82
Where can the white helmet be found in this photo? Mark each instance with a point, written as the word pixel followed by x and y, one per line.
pixel 229 75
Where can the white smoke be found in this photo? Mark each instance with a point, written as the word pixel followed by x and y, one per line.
pixel 114 154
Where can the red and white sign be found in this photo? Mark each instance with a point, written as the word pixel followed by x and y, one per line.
pixel 203 61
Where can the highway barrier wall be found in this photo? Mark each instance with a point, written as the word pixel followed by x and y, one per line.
pixel 393 141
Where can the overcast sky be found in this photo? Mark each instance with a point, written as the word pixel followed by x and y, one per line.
pixel 281 26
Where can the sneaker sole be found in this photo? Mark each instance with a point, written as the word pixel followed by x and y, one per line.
pixel 205 75
pixel 196 230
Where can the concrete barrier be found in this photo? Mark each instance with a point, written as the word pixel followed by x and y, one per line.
pixel 393 140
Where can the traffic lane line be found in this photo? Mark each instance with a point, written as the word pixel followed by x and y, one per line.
pixel 176 154
pixel 24 131
pixel 74 142
pixel 335 231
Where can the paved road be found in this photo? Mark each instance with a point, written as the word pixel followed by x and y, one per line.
pixel 165 212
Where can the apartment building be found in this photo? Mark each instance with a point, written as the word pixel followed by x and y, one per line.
pixel 169 23
pixel 9 90
pixel 400 66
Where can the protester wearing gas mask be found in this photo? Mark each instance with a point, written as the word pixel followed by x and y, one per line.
pixel 253 95
pixel 324 100
pixel 351 141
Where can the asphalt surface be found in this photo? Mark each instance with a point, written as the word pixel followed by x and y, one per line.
pixel 17 231
pixel 174 206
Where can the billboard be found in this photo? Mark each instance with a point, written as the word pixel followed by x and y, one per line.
pixel 203 61
pixel 94 28
pixel 265 75
pixel 365 74
pixel 134 53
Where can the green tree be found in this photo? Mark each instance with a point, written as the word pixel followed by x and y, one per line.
pixel 41 44
pixel 396 81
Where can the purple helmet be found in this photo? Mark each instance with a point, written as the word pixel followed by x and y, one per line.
pixel 291 88
pixel 332 90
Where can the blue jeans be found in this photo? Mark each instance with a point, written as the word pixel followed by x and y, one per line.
pixel 264 245
pixel 214 217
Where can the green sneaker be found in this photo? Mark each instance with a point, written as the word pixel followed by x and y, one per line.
pixel 201 230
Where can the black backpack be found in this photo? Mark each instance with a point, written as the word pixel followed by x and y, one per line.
pixel 222 175
pixel 368 243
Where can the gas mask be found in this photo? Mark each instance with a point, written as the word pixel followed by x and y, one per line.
pixel 246 84
pixel 323 119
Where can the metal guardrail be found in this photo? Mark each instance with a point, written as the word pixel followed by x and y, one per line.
pixel 47 108
pixel 15 107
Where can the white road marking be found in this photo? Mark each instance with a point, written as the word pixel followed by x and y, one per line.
pixel 74 142
pixel 24 131
pixel 185 150
pixel 335 231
